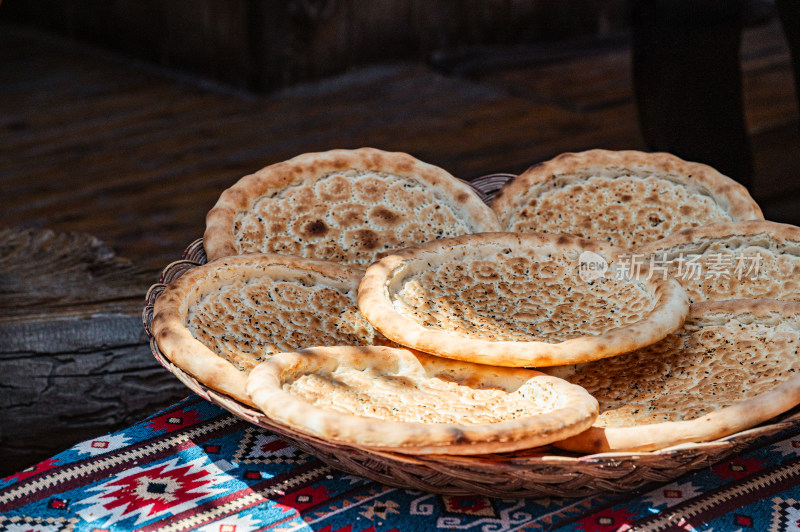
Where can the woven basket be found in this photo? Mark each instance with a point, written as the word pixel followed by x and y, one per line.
pixel 532 473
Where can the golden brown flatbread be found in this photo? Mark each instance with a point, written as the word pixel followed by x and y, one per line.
pixel 754 259
pixel 513 299
pixel 626 198
pixel 400 400
pixel 732 366
pixel 217 321
pixel 347 206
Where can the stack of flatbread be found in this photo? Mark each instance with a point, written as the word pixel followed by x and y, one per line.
pixel 370 299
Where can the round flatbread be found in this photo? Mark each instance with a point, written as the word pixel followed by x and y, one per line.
pixel 218 321
pixel 626 198
pixel 398 400
pixel 731 367
pixel 347 206
pixel 755 259
pixel 524 300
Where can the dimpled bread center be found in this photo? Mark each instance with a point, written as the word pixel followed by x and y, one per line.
pixel 520 299
pixel 349 217
pixel 244 323
pixel 736 267
pixel 691 373
pixel 424 400
pixel 626 211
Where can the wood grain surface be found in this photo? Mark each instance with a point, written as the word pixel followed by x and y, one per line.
pixel 74 359
pixel 94 143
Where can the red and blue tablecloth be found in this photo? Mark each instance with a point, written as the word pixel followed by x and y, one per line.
pixel 196 467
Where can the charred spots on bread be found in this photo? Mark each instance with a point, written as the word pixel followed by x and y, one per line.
pixel 384 216
pixel 364 239
pixel 315 228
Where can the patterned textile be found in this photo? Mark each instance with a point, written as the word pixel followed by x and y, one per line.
pixel 196 467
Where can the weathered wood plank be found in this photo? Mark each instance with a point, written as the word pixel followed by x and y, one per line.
pixel 43 272
pixel 51 402
pixel 75 361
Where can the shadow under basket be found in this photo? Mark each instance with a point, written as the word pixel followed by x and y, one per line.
pixel 540 472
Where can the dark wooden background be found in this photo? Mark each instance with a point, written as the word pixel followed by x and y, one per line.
pixel 129 145
pixel 265 44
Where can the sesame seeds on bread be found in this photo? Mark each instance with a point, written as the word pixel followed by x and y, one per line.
pixel 219 320
pixel 732 260
pixel 626 198
pixel 516 299
pixel 346 206
pixel 400 400
pixel 730 367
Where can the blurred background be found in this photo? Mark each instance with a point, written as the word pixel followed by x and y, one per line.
pixel 125 120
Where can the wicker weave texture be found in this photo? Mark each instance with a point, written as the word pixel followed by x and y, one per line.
pixel 532 473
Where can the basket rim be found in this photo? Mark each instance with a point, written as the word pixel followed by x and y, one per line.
pixel 607 471
pixel 173 270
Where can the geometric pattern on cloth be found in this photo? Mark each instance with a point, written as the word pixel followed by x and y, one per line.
pixel 476 505
pixel 154 491
pixel 22 523
pixel 194 466
pixel 786 515
pixel 730 499
pixel 102 445
pixel 259 445
pixel 671 494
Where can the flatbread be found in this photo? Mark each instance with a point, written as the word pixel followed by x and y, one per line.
pixel 400 400
pixel 731 367
pixel 626 198
pixel 219 320
pixel 509 299
pixel 347 206
pixel 729 260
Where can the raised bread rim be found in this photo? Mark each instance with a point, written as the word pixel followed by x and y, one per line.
pixel 178 344
pixel 265 388
pixel 375 304
pixel 732 196
pixel 721 230
pixel 717 424
pixel 218 236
